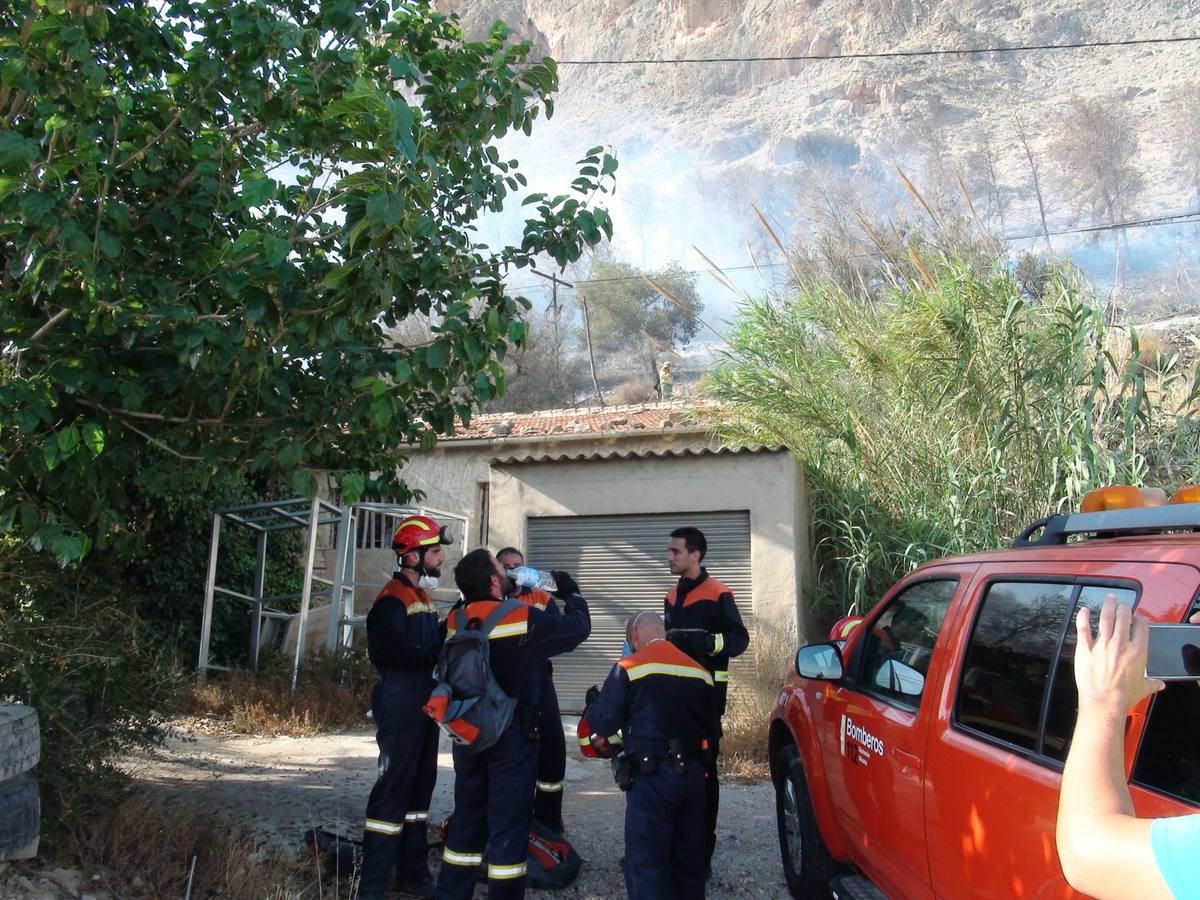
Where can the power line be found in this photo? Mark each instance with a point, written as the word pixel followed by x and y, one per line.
pixel 1181 218
pixel 882 54
pixel 619 278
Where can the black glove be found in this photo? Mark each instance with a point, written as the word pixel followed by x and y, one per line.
pixel 592 695
pixel 695 642
pixel 566 585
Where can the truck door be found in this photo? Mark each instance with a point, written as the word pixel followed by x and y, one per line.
pixel 882 709
pixel 1004 716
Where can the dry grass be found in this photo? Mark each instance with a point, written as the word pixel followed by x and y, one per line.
pixel 145 849
pixel 754 687
pixel 333 694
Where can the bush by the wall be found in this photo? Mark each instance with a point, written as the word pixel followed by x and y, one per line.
pixel 940 398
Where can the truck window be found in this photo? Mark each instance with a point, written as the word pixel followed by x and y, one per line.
pixel 898 649
pixel 1016 637
pixel 1064 697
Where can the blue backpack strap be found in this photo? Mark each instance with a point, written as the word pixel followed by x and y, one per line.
pixel 496 616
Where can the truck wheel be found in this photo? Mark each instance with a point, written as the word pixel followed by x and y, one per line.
pixel 19 742
pixel 807 865
pixel 19 812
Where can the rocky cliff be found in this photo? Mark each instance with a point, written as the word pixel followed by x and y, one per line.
pixel 711 138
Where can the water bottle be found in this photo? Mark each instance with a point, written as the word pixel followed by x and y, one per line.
pixel 529 577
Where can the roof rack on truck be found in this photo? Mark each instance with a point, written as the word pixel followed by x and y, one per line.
pixel 1117 511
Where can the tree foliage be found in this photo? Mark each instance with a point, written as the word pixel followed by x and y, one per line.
pixel 212 214
pixel 1096 150
pixel 628 313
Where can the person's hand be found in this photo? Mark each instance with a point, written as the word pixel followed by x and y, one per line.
pixel 1195 618
pixel 693 642
pixel 1110 670
pixel 566 586
pixel 592 695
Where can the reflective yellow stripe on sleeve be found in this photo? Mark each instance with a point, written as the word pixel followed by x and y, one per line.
pixel 720 676
pixel 718 644
pixel 422 816
pixel 505 872
pixel 462 859
pixel 549 787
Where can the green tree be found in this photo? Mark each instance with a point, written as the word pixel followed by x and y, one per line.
pixel 212 215
pixel 628 313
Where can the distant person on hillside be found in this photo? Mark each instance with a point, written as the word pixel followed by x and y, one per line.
pixel 666 383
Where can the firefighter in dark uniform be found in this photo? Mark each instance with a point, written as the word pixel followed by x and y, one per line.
pixel 552 748
pixel 403 640
pixel 704 622
pixel 662 701
pixel 493 789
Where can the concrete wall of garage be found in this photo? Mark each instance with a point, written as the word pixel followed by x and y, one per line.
pixel 652 473
pixel 769 484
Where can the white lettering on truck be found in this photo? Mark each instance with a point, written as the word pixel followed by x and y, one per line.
pixel 859 735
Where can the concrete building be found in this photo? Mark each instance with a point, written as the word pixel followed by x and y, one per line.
pixel 598 491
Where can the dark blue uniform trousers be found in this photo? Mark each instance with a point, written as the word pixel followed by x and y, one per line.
pixel 492 811
pixel 552 760
pixel 395 835
pixel 664 834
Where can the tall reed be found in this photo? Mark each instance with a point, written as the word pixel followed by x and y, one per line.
pixel 942 396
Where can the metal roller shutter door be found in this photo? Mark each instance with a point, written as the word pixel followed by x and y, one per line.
pixel 620 563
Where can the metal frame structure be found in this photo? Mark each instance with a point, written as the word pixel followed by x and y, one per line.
pixel 288 515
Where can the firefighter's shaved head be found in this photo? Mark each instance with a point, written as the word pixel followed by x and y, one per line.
pixel 643 628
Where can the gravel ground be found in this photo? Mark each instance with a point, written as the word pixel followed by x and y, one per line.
pixel 281 786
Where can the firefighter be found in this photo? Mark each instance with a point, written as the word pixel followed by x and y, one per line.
pixel 662 701
pixel 492 788
pixel 403 640
pixel 552 748
pixel 703 620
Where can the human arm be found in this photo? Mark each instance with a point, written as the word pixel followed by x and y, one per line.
pixel 1104 849
pixel 608 713
pixel 732 638
pixel 550 633
pixel 394 642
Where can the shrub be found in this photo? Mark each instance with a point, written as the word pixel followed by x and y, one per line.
pixel 334 692
pixel 943 399
pixel 77 653
pixel 147 844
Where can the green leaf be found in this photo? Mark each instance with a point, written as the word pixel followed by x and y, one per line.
pixel 402 118
pixel 108 244
pixel 352 486
pixel 67 549
pixel 16 150
pixel 68 440
pixel 51 453
pixel 275 249
pixel 304 483
pixel 257 188
pixel 93 438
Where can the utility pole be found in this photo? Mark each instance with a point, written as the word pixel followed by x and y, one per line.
pixel 587 324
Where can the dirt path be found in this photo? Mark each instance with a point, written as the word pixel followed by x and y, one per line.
pixel 281 786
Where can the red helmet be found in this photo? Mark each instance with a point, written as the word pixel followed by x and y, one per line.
pixel 844 627
pixel 587 746
pixel 417 532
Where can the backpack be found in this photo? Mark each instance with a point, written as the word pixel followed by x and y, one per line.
pixel 467 703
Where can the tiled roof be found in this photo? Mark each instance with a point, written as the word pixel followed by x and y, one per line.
pixel 550 423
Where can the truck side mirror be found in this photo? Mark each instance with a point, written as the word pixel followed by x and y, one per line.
pixel 823 661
